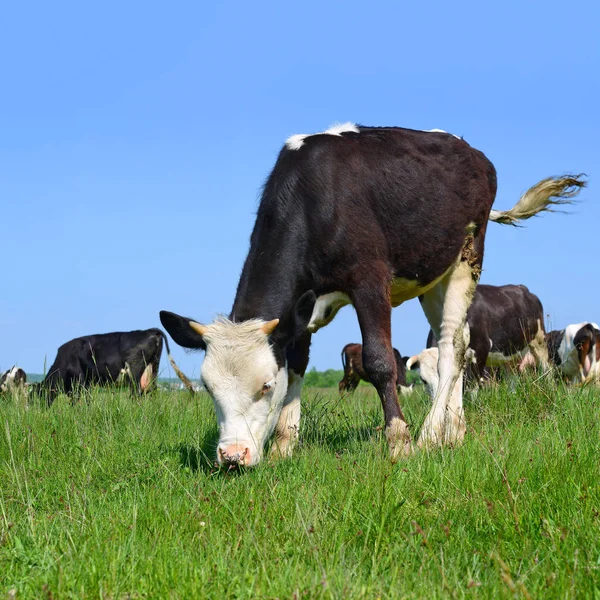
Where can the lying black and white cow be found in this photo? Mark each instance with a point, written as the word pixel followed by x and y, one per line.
pixel 506 324
pixel 130 357
pixel 575 351
pixel 13 381
pixel 368 216
pixel 354 370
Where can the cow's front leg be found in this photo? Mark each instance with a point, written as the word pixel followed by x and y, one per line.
pixel 373 309
pixel 288 425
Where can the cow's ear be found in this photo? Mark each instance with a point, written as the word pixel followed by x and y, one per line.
pixel 304 310
pixel 186 332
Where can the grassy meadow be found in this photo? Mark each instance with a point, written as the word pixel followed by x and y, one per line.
pixel 118 497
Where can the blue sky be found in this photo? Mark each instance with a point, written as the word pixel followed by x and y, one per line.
pixel 134 138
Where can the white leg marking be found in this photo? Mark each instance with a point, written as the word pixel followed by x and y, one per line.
pixel 287 428
pixel 457 290
pixel 398 439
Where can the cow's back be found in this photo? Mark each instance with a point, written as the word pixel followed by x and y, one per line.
pixel 509 315
pixel 398 198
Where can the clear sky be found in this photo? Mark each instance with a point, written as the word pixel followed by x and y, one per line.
pixel 135 137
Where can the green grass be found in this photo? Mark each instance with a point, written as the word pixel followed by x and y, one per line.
pixel 118 498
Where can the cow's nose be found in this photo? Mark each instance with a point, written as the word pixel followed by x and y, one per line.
pixel 234 455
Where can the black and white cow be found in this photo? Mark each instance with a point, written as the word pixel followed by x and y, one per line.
pixel 506 325
pixel 575 352
pixel 354 370
pixel 130 357
pixel 13 381
pixel 368 216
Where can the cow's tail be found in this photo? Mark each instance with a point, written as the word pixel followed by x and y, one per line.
pixel 344 358
pixel 188 384
pixel 542 196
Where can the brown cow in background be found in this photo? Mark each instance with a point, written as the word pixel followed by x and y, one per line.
pixel 354 370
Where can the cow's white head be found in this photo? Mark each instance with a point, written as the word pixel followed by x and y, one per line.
pixel 245 373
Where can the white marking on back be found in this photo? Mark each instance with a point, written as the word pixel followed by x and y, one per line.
pixel 440 131
pixel 295 142
pixel 339 128
pixel 326 307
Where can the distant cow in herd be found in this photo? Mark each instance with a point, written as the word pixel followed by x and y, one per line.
pixel 354 370
pixel 368 216
pixel 506 325
pixel 130 358
pixel 13 381
pixel 575 351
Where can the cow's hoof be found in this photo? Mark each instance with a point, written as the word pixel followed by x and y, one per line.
pixel 400 450
pixel 455 433
pixel 399 440
pixel 430 438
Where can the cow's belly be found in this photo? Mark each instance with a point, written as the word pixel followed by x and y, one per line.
pixel 401 290
pixel 406 289
pixel 497 359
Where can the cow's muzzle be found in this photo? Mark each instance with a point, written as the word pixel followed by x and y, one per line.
pixel 234 455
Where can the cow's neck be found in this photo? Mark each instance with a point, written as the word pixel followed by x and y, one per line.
pixel 268 288
pixel 265 291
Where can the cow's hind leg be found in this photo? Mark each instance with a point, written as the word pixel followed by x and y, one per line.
pixel 446 308
pixel 374 316
pixel 288 425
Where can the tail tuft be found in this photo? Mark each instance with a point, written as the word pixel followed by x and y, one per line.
pixel 188 384
pixel 552 191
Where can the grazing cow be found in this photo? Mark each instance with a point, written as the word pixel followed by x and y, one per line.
pixel 354 370
pixel 130 357
pixel 574 351
pixel 506 324
pixel 368 216
pixel 13 380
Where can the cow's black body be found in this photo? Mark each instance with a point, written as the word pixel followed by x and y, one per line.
pixel 411 194
pixel 376 216
pixel 351 213
pixel 103 359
